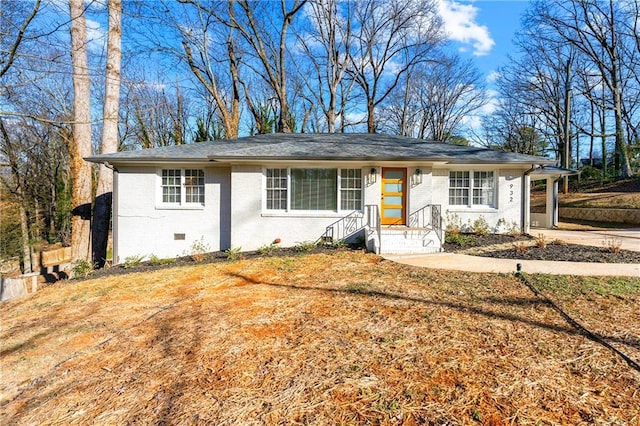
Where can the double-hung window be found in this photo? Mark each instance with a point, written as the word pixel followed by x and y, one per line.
pixel 276 189
pixel 313 189
pixel 350 189
pixel 182 187
pixel 471 188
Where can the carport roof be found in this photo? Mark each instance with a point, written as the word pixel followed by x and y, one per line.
pixel 551 171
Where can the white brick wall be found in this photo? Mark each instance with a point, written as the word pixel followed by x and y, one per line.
pixel 507 211
pixel 145 228
pixel 237 218
pixel 253 227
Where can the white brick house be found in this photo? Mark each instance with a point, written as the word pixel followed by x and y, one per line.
pixel 392 191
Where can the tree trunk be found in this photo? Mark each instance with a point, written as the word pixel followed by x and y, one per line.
pixel 603 137
pixel 621 160
pixel 80 145
pixel 102 207
pixel 371 124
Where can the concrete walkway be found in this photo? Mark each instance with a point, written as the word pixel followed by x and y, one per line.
pixel 629 239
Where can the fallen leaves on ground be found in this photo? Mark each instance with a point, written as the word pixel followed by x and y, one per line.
pixel 343 338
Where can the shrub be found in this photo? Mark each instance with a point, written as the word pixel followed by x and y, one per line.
pixel 514 230
pixel 156 261
pixel 81 269
pixel 612 245
pixel 132 261
pixel 338 244
pixel 304 246
pixel 233 253
pixel 541 241
pixel 268 249
pixel 460 240
pixel 199 249
pixel 454 224
pixel 590 173
pixel 480 227
pixel 520 247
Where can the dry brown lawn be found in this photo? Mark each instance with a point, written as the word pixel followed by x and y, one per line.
pixel 623 194
pixel 343 338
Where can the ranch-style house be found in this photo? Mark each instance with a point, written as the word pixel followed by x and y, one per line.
pixel 394 193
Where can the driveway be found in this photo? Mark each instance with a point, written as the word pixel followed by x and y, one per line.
pixel 628 239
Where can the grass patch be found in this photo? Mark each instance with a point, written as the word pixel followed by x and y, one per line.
pixel 567 287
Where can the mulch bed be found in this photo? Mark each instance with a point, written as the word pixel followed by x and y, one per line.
pixel 213 257
pixel 558 251
pixel 475 244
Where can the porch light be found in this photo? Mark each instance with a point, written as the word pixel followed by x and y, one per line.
pixel 417 177
pixel 373 175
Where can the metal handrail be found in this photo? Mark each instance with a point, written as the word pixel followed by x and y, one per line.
pixel 428 216
pixel 373 221
pixel 354 222
pixel 345 226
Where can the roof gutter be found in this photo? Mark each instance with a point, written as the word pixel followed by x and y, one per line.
pixel 110 166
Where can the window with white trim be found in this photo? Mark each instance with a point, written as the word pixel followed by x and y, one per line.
pixel 182 186
pixel 471 188
pixel 350 189
pixel 313 189
pixel 276 189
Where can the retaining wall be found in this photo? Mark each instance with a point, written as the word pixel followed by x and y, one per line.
pixel 629 216
pixel 19 286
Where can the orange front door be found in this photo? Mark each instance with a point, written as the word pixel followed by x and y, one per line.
pixel 394 196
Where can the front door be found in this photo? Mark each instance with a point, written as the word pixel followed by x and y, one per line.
pixel 394 196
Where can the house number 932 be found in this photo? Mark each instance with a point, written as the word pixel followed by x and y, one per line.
pixel 511 193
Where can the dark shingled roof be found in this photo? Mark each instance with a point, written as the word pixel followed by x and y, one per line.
pixel 318 146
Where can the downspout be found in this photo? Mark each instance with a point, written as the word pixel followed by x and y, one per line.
pixel 114 213
pixel 526 196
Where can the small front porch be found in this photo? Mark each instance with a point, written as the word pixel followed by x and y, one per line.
pixel 422 233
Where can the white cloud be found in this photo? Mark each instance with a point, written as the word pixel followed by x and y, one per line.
pixel 96 36
pixel 459 24
pixel 493 76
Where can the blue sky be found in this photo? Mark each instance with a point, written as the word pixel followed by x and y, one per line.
pixel 483 29
pixel 479 29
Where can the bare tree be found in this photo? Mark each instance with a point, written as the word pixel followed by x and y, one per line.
pixel 512 129
pixel 390 37
pixel 264 30
pixel 102 205
pixel 539 83
pixel 12 31
pixel 434 99
pixel 327 46
pixel 210 50
pixel 80 145
pixel 591 26
pixel 150 117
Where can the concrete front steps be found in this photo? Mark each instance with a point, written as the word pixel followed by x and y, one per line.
pixel 405 240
